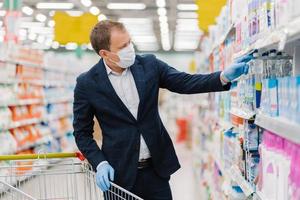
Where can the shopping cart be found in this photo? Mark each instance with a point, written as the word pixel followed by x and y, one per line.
pixel 53 176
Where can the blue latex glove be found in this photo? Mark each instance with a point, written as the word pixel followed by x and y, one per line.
pixel 244 59
pixel 103 174
pixel 235 71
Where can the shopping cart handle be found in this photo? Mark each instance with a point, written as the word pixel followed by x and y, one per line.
pixel 42 156
pixel 80 156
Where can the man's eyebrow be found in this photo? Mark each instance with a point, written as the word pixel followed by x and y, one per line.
pixel 124 45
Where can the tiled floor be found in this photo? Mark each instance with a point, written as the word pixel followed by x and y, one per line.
pixel 182 182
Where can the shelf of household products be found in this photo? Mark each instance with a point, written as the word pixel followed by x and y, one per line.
pixel 35 105
pixel 246 25
pixel 250 143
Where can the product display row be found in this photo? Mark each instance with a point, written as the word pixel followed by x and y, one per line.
pixel 247 140
pixel 36 101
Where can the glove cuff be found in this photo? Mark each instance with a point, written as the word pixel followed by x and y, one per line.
pixel 223 79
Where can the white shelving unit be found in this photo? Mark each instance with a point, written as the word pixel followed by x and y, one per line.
pixel 235 175
pixel 281 126
pixel 276 38
pixel 243 114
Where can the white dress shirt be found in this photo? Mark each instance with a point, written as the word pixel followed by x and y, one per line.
pixel 125 87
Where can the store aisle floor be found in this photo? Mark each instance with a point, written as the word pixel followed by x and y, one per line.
pixel 182 182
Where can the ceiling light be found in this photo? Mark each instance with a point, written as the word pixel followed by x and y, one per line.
pixel 2 13
pixel 187 7
pixel 55 45
pixel 31 24
pixel 126 6
pixel 27 10
pixel 188 34
pixel 40 17
pixel 136 21
pixel 148 48
pixel 94 10
pixel 186 28
pixel 144 38
pixel 32 36
pixel 71 46
pixel 192 15
pixel 161 3
pixel 164 24
pixel 161 11
pixel 51 23
pixel 41 30
pixel 1 4
pixel 74 13
pixel 101 17
pixel 165 40
pixel 164 31
pixel 163 19
pixel 86 3
pixel 187 22
pixel 56 6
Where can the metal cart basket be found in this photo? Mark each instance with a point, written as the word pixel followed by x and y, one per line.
pixel 53 176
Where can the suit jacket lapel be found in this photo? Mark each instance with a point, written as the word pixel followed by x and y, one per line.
pixel 105 85
pixel 139 78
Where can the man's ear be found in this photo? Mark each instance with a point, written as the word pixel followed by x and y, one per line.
pixel 103 53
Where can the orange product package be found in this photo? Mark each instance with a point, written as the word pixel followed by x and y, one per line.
pixel 24 166
pixel 19 113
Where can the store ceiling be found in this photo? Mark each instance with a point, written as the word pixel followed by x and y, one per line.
pixel 154 24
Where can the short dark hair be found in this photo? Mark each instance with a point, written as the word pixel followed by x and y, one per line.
pixel 100 35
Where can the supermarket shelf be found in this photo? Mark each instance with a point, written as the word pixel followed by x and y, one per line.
pixel 280 126
pixel 52 117
pixel 222 39
pixel 242 113
pixel 43 140
pixel 58 100
pixel 220 166
pixel 27 122
pixel 24 123
pixel 28 64
pixel 224 124
pixel 277 38
pixel 36 101
pixel 40 66
pixel 21 102
pixel 235 175
pixel 47 83
pixel 259 196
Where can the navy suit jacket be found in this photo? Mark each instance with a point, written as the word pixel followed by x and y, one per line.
pixel 95 96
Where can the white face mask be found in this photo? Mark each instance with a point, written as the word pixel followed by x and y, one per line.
pixel 127 57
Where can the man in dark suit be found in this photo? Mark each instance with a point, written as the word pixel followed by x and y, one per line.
pixel 121 90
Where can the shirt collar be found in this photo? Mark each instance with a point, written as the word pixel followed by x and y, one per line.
pixel 110 71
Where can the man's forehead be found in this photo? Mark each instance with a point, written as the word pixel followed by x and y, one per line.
pixel 118 37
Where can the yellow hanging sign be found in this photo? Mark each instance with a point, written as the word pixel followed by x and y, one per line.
pixel 208 11
pixel 73 29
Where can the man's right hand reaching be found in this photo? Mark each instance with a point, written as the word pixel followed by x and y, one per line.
pixel 104 174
